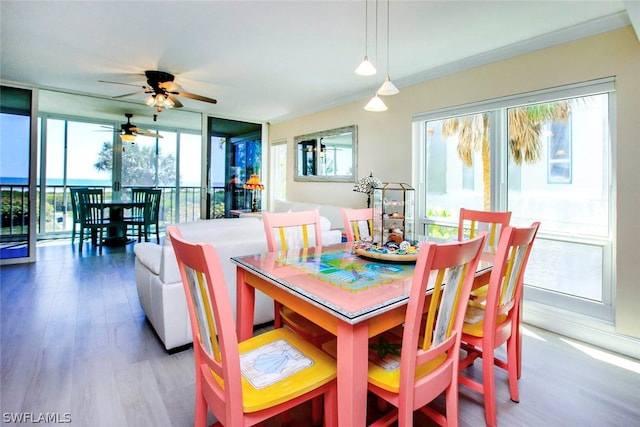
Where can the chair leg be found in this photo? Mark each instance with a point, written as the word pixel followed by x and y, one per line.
pixel 277 318
pixel 201 410
pixel 316 411
pixel 73 234
pixel 489 385
pixel 451 403
pixel 513 367
pixel 331 407
pixel 81 239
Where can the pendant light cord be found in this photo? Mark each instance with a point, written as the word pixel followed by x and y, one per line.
pixel 388 1
pixel 366 28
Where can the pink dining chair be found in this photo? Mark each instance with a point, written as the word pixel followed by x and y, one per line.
pixel 471 222
pixel 412 369
pixel 496 320
pixel 358 223
pixel 244 383
pixel 294 230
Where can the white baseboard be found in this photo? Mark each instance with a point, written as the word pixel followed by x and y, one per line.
pixel 580 328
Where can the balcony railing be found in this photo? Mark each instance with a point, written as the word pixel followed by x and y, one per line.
pixel 176 206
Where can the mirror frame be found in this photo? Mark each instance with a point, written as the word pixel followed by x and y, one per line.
pixel 323 134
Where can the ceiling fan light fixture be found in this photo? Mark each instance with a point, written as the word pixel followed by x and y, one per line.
pixel 375 105
pixel 128 137
pixel 168 103
pixel 160 101
pixel 388 88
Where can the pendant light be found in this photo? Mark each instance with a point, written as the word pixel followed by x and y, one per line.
pixel 376 104
pixel 388 88
pixel 366 68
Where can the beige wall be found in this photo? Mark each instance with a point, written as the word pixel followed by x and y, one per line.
pixel 384 143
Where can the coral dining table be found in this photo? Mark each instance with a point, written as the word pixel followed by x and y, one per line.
pixel 352 297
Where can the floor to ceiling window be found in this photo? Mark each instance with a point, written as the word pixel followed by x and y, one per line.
pixel 234 154
pixel 90 154
pixel 16 182
pixel 545 156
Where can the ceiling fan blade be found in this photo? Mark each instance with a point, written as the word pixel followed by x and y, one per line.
pixel 130 94
pixel 145 132
pixel 119 83
pixel 169 86
pixel 197 97
pixel 175 100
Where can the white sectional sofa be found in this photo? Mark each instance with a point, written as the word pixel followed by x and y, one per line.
pixel 158 278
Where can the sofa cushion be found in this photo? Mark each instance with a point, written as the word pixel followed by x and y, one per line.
pixel 149 255
pixel 236 231
pixel 330 216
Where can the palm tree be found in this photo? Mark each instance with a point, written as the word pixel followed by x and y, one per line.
pixel 525 126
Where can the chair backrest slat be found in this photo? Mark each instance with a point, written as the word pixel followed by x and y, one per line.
pixel 356 223
pixel 292 230
pixel 471 222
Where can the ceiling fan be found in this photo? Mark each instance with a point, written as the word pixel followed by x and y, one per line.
pixel 162 91
pixel 129 131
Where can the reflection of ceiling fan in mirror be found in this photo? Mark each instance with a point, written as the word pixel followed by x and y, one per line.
pixel 162 91
pixel 129 131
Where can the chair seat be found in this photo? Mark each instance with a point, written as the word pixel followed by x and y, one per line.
pixel 304 326
pixel 474 320
pixel 480 293
pixel 385 372
pixel 314 367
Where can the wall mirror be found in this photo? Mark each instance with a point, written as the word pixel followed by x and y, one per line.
pixel 327 156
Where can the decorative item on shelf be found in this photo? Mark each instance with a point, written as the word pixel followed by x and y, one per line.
pixel 393 214
pixel 366 185
pixel 254 185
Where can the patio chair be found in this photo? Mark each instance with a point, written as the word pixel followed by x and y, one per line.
pixel 75 210
pixel 92 216
pixel 144 220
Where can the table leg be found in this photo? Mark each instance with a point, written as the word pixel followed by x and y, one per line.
pixel 245 306
pixel 352 352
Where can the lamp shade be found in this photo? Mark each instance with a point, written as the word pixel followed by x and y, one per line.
pixel 254 183
pixel 366 68
pixel 128 137
pixel 375 105
pixel 388 88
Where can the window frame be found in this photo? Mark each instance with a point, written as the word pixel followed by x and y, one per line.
pixel 497 109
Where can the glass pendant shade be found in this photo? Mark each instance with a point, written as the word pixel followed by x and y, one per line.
pixel 160 101
pixel 366 68
pixel 375 105
pixel 128 137
pixel 388 88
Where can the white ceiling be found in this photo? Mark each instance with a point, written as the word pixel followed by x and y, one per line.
pixel 270 60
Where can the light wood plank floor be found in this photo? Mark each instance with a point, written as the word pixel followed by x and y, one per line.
pixel 75 342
